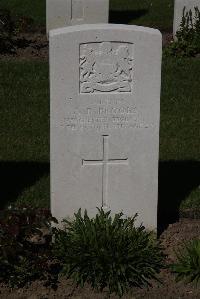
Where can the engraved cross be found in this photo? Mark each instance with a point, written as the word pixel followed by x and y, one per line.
pixel 105 162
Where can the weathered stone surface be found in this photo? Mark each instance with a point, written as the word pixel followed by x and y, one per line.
pixel 105 101
pixel 178 11
pixel 62 13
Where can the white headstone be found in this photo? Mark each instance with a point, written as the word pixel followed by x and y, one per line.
pixel 105 101
pixel 178 11
pixel 62 13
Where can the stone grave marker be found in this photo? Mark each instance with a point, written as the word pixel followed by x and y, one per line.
pixel 178 11
pixel 62 13
pixel 105 103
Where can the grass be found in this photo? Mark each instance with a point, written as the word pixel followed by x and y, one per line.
pixel 24 136
pixel 24 118
pixel 152 13
pixel 193 200
pixel 24 111
pixel 179 136
pixel 29 8
pixel 179 131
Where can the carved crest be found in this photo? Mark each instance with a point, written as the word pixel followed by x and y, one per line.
pixel 106 67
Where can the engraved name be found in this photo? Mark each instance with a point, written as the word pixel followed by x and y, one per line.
pixel 104 117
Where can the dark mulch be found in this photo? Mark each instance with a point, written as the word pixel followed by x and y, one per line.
pixel 28 46
pixel 172 238
pixel 35 46
pixel 167 38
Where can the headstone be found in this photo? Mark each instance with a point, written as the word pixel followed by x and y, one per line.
pixel 105 98
pixel 178 11
pixel 62 13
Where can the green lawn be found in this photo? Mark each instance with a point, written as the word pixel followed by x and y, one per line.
pixel 24 111
pixel 152 13
pixel 179 177
pixel 24 137
pixel 34 9
pixel 180 107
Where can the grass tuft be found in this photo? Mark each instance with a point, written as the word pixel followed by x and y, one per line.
pixel 188 263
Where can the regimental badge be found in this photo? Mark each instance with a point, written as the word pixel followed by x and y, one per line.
pixel 106 67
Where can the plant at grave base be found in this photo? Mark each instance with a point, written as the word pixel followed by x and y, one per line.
pixel 188 263
pixel 25 245
pixel 188 36
pixel 107 252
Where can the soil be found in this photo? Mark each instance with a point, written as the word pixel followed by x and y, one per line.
pixel 29 46
pixel 172 239
pixel 37 47
pixel 167 38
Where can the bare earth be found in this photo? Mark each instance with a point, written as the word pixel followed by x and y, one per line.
pixel 172 238
pixel 36 46
pixel 29 47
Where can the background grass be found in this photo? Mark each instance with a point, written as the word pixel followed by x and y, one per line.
pixel 35 9
pixel 152 13
pixel 24 114
pixel 24 111
pixel 24 118
pixel 24 136
pixel 180 122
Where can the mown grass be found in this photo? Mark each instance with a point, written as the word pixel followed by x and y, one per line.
pixel 192 201
pixel 24 136
pixel 24 114
pixel 35 9
pixel 180 132
pixel 180 122
pixel 152 13
pixel 24 111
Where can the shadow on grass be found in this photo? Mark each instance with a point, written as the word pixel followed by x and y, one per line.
pixel 18 176
pixel 125 16
pixel 176 180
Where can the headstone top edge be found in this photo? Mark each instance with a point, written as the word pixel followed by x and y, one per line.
pixel 87 27
pixel 184 1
